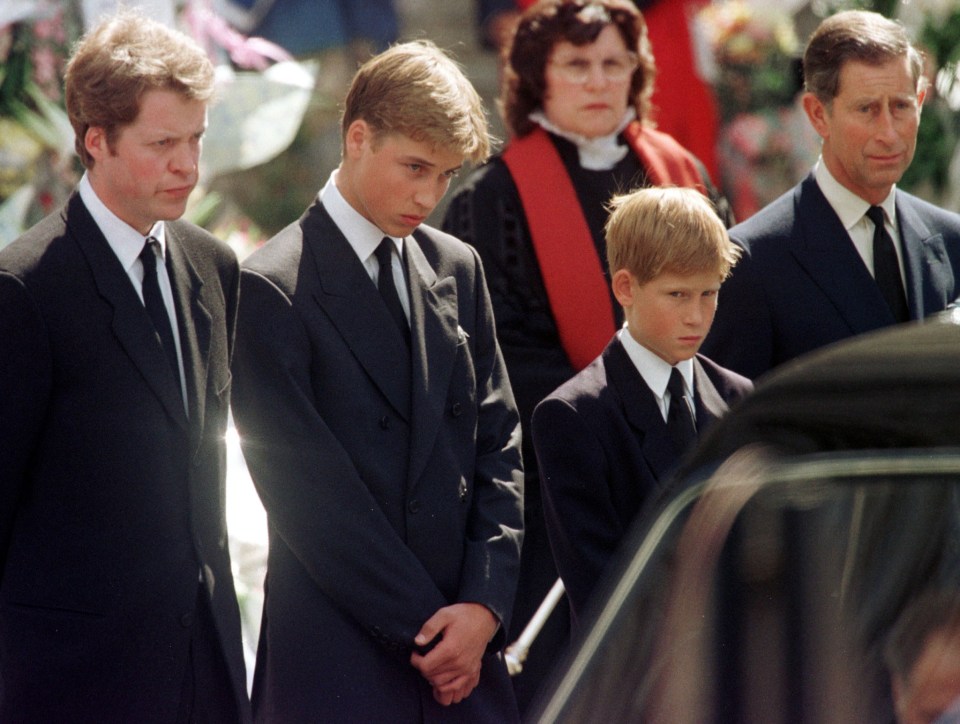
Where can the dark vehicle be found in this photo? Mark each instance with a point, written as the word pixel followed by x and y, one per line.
pixel 797 536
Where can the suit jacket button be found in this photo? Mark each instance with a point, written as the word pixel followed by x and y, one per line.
pixel 384 423
pixel 413 506
pixel 186 620
pixel 457 409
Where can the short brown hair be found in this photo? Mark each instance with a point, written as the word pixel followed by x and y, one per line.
pixel 854 35
pixel 118 61
pixel 667 229
pixel 416 90
pixel 579 22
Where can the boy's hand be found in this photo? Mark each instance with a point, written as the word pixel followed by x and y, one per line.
pixel 453 666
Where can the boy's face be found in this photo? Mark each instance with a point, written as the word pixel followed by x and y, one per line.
pixel 671 314
pixel 391 180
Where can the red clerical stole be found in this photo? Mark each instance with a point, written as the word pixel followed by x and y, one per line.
pixel 571 268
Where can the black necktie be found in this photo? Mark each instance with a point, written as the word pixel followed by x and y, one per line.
pixel 680 422
pixel 157 310
pixel 886 268
pixel 388 289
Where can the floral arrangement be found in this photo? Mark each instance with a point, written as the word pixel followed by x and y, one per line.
pixel 750 55
pixel 936 29
pixel 257 113
pixel 36 163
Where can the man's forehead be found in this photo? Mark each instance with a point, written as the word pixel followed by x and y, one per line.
pixel 858 77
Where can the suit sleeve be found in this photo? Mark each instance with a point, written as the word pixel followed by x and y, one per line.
pixel 314 497
pixel 741 337
pixel 25 385
pixel 495 529
pixel 582 525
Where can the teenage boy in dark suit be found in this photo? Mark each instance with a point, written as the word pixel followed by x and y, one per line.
pixel 607 439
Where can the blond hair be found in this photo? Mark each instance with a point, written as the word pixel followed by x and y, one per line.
pixel 667 229
pixel 118 61
pixel 416 90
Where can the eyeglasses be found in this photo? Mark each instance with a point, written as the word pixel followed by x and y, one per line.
pixel 615 69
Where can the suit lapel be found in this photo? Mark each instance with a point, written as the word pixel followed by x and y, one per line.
pixel 194 320
pixel 925 261
pixel 350 300
pixel 435 335
pixel 707 400
pixel 824 249
pixel 641 410
pixel 131 323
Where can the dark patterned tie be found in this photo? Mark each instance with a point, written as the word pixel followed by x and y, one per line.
pixel 153 301
pixel 680 422
pixel 388 289
pixel 886 268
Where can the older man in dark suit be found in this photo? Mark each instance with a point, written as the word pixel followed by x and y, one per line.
pixel 116 330
pixel 379 426
pixel 845 252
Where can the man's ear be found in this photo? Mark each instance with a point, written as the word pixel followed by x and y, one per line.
pixel 95 141
pixel 358 133
pixel 817 113
pixel 622 284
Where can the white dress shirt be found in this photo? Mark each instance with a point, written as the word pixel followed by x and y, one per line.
pixel 364 237
pixel 852 209
pixel 655 371
pixel 127 243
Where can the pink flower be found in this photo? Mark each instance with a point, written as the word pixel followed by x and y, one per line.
pixel 45 66
pixel 6 41
pixel 50 28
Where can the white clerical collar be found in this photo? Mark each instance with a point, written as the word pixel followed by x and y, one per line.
pixel 126 242
pixel 850 207
pixel 363 235
pixel 596 154
pixel 654 369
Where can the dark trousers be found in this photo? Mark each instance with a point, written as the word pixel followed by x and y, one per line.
pixel 207 695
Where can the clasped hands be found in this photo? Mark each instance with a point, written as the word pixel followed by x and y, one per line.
pixel 452 667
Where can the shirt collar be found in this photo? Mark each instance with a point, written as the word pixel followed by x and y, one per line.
pixel 596 154
pixel 850 207
pixel 126 242
pixel 654 370
pixel 362 235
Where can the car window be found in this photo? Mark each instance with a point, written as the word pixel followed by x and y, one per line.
pixel 768 591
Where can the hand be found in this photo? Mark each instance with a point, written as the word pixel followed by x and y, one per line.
pixel 453 666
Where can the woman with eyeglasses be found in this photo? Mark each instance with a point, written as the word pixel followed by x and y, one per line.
pixel 578 77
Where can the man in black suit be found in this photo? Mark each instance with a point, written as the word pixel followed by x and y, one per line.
pixel 608 438
pixel 817 267
pixel 379 426
pixel 116 597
